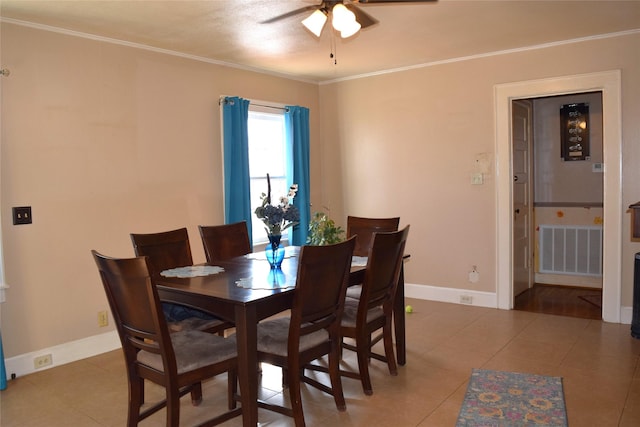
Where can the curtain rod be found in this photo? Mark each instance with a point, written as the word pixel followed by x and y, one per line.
pixel 271 106
pixel 226 100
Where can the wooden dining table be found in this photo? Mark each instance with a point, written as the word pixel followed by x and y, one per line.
pixel 248 291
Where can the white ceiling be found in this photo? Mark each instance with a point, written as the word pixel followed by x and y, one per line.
pixel 408 34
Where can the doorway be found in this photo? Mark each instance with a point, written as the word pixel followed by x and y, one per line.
pixel 609 83
pixel 557 204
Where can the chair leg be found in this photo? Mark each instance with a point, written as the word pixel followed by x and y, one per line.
pixel 336 381
pixel 196 394
pixel 363 344
pixel 295 396
pixel 232 388
pixel 388 348
pixel 173 407
pixel 136 399
pixel 285 377
pixel 141 391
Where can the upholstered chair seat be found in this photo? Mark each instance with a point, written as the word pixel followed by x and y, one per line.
pixel 273 337
pixel 350 313
pixel 193 350
pixel 354 291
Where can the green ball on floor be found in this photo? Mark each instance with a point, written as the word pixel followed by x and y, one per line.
pixel 408 309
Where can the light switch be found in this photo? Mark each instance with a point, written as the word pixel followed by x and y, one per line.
pixel 22 215
pixel 477 179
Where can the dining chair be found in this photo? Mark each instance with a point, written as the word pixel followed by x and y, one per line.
pixel 223 242
pixel 312 330
pixel 374 309
pixel 178 361
pixel 167 250
pixel 364 228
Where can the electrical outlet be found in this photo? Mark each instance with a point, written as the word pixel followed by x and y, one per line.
pixel 466 299
pixel 42 361
pixel 103 318
pixel 474 276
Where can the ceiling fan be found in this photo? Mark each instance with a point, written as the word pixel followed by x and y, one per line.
pixel 346 17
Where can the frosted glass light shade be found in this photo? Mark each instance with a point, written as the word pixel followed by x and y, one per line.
pixel 350 29
pixel 342 17
pixel 315 22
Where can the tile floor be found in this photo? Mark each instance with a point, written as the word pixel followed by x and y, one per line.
pixel 600 364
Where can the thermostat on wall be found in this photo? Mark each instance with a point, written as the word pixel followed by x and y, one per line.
pixel 597 167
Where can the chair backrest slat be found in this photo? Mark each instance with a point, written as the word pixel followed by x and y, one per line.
pixel 168 249
pixel 364 229
pixel 223 242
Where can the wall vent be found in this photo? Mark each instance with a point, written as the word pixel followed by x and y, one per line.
pixel 568 249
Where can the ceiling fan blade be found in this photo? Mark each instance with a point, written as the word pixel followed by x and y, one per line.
pixel 362 17
pixel 290 14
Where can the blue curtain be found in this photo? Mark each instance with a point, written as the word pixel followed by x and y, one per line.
pixel 237 188
pixel 297 131
pixel 3 371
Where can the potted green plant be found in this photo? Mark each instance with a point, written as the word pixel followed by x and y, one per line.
pixel 324 231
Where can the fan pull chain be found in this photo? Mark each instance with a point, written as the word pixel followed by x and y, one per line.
pixel 334 48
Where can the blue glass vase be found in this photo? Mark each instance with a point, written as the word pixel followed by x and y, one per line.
pixel 274 251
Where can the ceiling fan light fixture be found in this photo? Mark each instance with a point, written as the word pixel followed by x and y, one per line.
pixel 342 17
pixel 350 29
pixel 315 22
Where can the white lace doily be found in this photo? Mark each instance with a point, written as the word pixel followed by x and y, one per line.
pixel 192 271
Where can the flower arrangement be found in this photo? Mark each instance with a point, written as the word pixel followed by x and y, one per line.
pixel 278 218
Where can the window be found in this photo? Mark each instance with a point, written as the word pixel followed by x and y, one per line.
pixel 267 155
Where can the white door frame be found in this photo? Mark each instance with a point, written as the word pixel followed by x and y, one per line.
pixel 609 84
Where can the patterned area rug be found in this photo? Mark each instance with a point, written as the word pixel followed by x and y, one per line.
pixel 509 399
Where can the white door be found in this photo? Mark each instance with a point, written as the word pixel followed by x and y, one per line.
pixel 522 209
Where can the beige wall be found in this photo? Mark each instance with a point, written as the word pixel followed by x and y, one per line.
pixel 104 140
pixel 406 143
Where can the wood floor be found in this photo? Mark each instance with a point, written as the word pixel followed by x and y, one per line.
pixel 585 303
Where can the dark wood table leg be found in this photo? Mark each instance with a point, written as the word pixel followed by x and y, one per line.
pixel 246 333
pixel 399 321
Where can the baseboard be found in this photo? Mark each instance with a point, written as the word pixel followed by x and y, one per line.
pixel 456 296
pixel 62 354
pixel 626 315
pixel 569 280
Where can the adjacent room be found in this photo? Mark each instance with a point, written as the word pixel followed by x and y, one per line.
pixel 492 129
